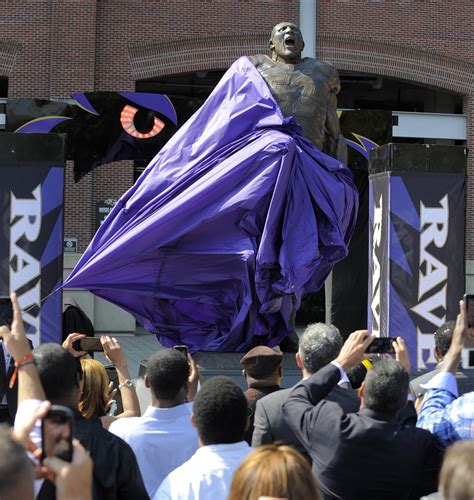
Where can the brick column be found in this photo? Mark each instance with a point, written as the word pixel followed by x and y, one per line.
pixel 73 41
pixel 468 109
pixel 71 69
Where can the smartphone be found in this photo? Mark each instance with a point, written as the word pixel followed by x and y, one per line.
pixel 89 344
pixel 467 358
pixel 57 429
pixel 381 345
pixel 6 311
pixel 183 349
pixel 469 301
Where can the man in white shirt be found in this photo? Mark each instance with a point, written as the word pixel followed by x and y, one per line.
pixel 448 417
pixel 163 438
pixel 220 416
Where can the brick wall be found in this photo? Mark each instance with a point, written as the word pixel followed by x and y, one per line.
pixel 28 24
pixel 72 46
pixel 445 27
pixel 131 26
pixel 55 47
pixel 428 42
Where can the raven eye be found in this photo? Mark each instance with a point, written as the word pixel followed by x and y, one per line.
pixel 127 120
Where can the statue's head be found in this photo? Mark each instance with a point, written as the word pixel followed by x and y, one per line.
pixel 286 43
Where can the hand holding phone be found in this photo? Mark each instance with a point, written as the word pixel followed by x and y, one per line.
pixel 469 302
pixel 88 344
pixel 353 349
pixel 72 479
pixel 56 432
pixel 113 351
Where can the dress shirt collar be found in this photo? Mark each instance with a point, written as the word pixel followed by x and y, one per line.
pixel 222 449
pixel 172 413
pixel 262 384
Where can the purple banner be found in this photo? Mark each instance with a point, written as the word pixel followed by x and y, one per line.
pixel 31 229
pixel 417 251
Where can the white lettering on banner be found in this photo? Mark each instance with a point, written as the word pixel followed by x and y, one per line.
pixel 425 342
pixel 437 233
pixel 25 222
pixel 377 237
pixel 433 307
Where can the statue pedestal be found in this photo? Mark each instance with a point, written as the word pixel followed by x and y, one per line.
pixel 416 242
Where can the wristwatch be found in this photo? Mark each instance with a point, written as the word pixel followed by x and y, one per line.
pixel 126 383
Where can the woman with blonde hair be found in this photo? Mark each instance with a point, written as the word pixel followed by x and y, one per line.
pixel 96 395
pixel 95 392
pixel 275 471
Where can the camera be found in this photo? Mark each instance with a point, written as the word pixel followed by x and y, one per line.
pixel 467 358
pixel 381 345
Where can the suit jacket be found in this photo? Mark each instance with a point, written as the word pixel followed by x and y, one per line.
pixel 12 394
pixel 366 454
pixel 253 395
pixel 270 425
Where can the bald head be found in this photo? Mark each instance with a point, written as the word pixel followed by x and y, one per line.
pixel 286 43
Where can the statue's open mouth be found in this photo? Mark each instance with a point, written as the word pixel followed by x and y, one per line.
pixel 289 41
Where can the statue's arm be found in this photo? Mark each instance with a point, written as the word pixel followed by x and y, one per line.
pixel 334 144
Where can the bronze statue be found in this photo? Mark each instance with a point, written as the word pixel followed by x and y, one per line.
pixel 304 88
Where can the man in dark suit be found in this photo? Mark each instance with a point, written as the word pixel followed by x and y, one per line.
pixel 368 454
pixel 318 346
pixel 8 395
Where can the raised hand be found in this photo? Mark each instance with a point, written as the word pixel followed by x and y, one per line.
pixel 193 379
pixel 401 353
pixel 68 344
pixel 352 352
pixel 453 356
pixel 15 337
pixel 113 351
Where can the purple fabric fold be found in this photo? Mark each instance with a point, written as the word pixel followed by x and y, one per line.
pixel 237 213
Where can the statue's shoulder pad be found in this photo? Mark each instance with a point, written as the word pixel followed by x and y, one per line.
pixel 325 66
pixel 259 60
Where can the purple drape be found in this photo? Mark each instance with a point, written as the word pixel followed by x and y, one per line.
pixel 237 213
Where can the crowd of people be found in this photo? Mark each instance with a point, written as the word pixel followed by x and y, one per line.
pixel 333 435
